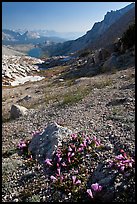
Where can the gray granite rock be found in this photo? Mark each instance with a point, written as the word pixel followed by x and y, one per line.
pixel 43 145
pixel 17 111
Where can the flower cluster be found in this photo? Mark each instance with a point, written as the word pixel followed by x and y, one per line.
pixel 73 163
pixel 23 148
pixel 95 187
pixel 122 161
pixel 67 165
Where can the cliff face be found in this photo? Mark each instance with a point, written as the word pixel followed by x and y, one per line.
pixel 112 26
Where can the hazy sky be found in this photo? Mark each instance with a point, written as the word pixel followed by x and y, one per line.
pixel 58 16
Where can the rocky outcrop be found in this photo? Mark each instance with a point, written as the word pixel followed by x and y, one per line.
pixel 112 62
pixel 14 67
pixel 17 111
pixel 43 145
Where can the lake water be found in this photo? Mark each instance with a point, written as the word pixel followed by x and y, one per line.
pixel 35 52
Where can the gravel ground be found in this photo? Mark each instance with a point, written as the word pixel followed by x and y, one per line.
pixel 106 112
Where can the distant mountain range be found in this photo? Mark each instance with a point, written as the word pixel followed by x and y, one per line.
pixel 52 33
pixel 102 33
pixel 10 37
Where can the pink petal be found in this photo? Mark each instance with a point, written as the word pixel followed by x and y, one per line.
pixel 69 159
pixel 126 161
pixel 73 179
pixel 130 164
pixel 70 149
pixel 72 154
pixel 96 187
pixel 99 188
pixel 132 160
pixel 78 182
pixel 63 164
pixel 122 168
pixel 90 193
pixel 125 155
pixel 110 163
pixel 60 159
pixel 58 170
pixel 81 145
pixel 69 153
pixel 47 161
pixel 53 178
pixel 97 142
pixel 94 137
pixel 61 178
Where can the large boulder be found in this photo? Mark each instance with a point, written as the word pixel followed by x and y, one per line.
pixel 44 144
pixel 17 111
pixel 112 62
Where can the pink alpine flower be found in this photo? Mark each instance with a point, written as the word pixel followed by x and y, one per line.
pixel 53 178
pixel 90 193
pixel 96 187
pixel 22 144
pixel 48 161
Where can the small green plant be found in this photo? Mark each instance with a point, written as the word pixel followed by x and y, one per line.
pixel 75 96
pixel 71 99
pixel 103 83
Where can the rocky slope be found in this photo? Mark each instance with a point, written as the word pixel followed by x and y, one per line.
pixel 70 100
pixel 9 51
pixel 103 106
